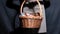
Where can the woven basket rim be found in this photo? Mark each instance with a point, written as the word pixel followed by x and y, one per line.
pixel 29 17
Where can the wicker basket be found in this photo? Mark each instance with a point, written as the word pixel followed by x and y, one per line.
pixel 31 21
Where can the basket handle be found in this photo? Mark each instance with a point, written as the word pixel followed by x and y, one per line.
pixel 38 4
pixel 22 6
pixel 40 7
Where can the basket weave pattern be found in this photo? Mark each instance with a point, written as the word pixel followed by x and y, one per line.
pixel 31 23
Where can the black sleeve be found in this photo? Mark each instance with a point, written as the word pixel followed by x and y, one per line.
pixel 46 3
pixel 21 2
pixel 10 4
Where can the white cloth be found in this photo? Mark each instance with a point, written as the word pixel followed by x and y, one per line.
pixel 43 28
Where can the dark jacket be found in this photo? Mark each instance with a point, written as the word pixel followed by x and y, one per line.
pixel 8 16
pixel 53 17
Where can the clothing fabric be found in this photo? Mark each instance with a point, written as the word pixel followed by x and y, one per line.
pixel 53 17
pixel 8 17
